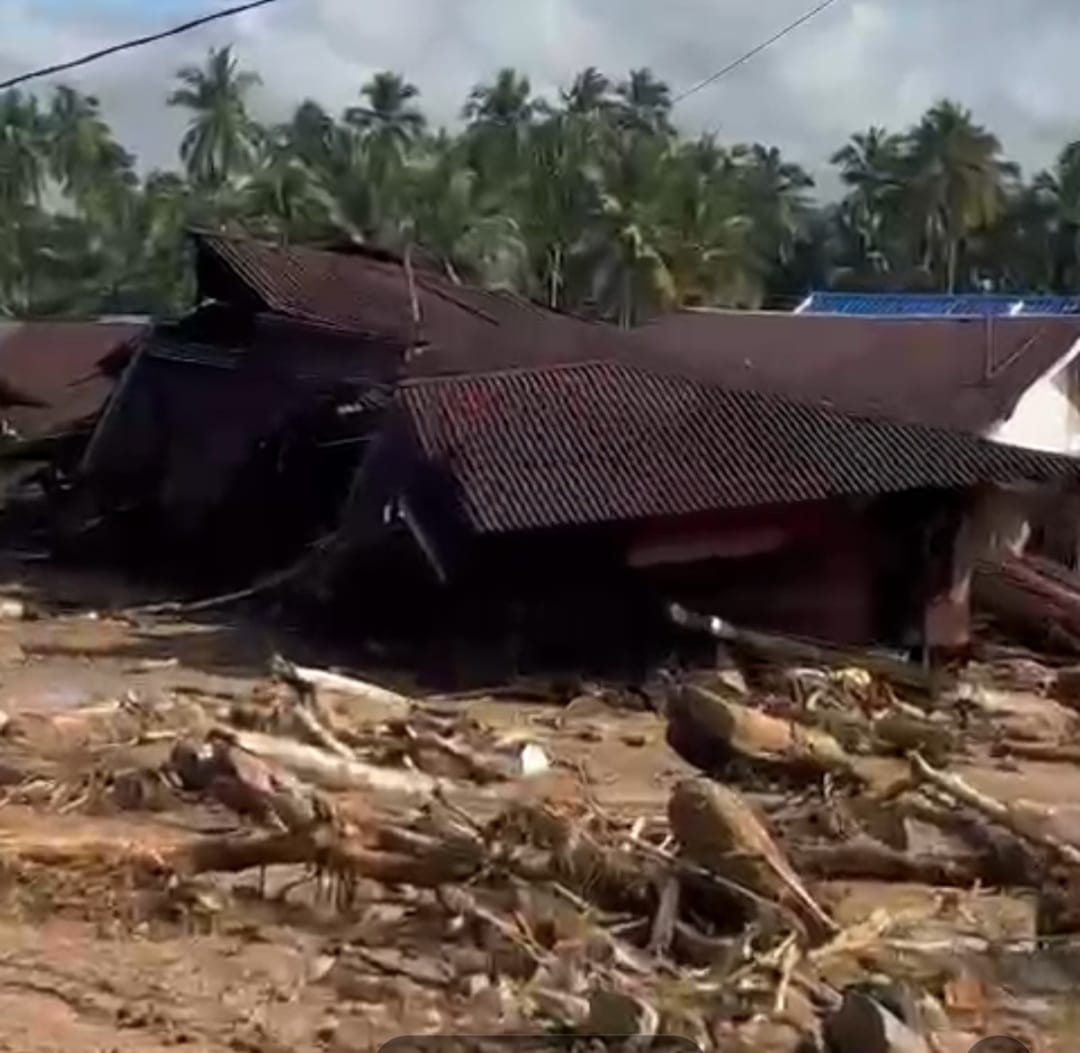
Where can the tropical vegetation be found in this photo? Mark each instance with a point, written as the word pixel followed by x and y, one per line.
pixel 592 202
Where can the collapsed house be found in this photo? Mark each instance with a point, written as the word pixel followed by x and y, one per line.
pixel 237 429
pixel 588 494
pixel 55 378
pixel 461 462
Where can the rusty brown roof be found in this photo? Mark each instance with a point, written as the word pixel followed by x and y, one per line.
pixel 965 373
pixel 602 442
pixel 955 372
pixel 55 365
pixel 465 328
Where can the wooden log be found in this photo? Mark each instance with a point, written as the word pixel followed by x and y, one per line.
pixel 318 733
pixel 718 830
pixel 1038 751
pixel 327 770
pixel 790 649
pixel 431 751
pixel 864 859
pixel 901 732
pixel 706 729
pixel 1023 823
pixel 1027 600
pixel 249 786
pixel 323 680
pixel 236 854
pixel 611 877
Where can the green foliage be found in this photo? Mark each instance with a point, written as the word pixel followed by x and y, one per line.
pixel 591 203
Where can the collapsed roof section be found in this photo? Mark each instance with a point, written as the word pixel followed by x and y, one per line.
pixel 59 374
pixel 440 326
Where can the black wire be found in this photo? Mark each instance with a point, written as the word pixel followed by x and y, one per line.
pixel 754 51
pixel 138 42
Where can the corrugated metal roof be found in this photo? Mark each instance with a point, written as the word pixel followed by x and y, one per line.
pixel 56 366
pixel 601 442
pixel 463 328
pixel 1049 305
pixel 965 373
pixel 969 305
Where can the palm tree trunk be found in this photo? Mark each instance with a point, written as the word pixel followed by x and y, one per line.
pixel 951 262
pixel 554 276
pixel 626 299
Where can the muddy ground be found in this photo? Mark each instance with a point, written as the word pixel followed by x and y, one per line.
pixel 90 961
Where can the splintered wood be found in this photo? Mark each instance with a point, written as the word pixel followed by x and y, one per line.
pixel 717 829
pixel 711 906
pixel 706 729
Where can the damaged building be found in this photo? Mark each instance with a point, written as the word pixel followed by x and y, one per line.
pixel 462 463
pixel 575 498
pixel 238 428
pixel 55 378
pixel 1005 368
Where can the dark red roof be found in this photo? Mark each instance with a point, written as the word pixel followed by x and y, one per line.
pixel 964 373
pixel 56 366
pixel 602 442
pixel 467 329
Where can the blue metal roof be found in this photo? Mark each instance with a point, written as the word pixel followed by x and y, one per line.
pixel 1050 305
pixel 967 305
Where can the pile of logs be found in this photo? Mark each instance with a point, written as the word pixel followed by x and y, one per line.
pixel 1034 599
pixel 606 921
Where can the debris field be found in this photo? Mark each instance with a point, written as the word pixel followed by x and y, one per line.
pixel 206 844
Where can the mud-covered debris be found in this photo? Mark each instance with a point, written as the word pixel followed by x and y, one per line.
pixel 863 1025
pixel 617 1013
pixel 559 1007
pixel 718 830
pixel 1066 687
pixel 708 730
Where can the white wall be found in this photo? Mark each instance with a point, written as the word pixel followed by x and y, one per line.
pixel 1047 416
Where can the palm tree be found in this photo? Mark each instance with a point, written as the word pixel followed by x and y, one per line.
pixel 387 127
pixel 774 193
pixel 958 182
pixel 1056 195
pixel 389 117
pixel 499 116
pixel 589 95
pixel 22 150
pixel 91 167
pixel 871 167
pixel 645 103
pixel 554 201
pixel 282 198
pixel 23 166
pixel 711 249
pixel 622 248
pixel 164 212
pixel 312 135
pixel 221 138
pixel 505 103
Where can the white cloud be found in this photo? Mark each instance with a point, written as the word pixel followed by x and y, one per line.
pixel 861 62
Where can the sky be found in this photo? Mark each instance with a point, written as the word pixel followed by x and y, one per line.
pixel 859 63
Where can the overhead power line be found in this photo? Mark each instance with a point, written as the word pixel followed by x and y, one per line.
pixel 754 51
pixel 137 42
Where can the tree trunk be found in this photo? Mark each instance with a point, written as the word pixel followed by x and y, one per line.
pixel 626 299
pixel 555 277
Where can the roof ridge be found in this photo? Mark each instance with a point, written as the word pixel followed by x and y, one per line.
pixel 516 369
